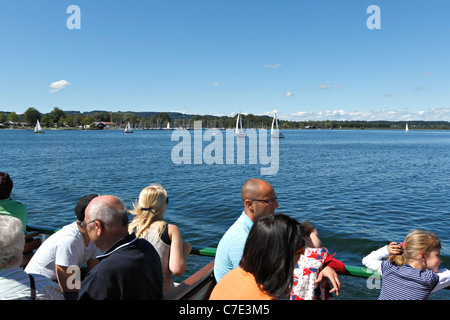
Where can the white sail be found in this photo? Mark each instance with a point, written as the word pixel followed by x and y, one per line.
pixel 274 131
pixel 37 128
pixel 239 130
pixel 406 128
pixel 128 128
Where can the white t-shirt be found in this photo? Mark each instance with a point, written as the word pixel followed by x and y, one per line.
pixel 64 248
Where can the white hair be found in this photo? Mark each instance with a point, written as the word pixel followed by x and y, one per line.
pixel 107 214
pixel 12 240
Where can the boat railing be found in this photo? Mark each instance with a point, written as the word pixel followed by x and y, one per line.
pixel 354 271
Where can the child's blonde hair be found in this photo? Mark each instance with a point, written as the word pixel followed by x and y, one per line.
pixel 418 241
pixel 149 209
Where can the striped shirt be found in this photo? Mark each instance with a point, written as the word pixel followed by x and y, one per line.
pixel 15 285
pixel 406 283
pixel 231 246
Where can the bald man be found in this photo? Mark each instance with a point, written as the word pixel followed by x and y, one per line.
pixel 259 200
pixel 130 268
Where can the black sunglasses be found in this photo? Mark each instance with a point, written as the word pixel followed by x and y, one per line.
pixel 167 202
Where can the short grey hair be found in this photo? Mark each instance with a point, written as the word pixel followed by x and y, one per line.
pixel 108 215
pixel 12 240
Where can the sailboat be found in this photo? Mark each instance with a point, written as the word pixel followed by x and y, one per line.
pixel 128 128
pixel 274 131
pixel 406 128
pixel 37 128
pixel 239 130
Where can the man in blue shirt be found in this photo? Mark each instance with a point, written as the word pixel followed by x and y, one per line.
pixel 130 268
pixel 259 200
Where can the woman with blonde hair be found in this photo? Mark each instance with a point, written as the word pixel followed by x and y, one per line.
pixel 149 224
pixel 412 270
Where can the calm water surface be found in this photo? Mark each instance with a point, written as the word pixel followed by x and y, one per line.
pixel 361 189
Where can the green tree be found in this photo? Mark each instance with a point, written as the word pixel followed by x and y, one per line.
pixel 88 120
pixel 56 114
pixel 164 117
pixel 47 121
pixel 31 116
pixel 70 120
pixel 78 120
pixel 14 117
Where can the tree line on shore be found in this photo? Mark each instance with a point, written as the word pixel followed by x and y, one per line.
pixel 58 118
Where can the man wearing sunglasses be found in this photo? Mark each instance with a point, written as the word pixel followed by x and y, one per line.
pixel 259 200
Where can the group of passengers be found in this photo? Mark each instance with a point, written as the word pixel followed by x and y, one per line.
pixel 263 255
pixel 98 256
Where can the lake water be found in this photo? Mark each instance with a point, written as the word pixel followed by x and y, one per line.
pixel 360 188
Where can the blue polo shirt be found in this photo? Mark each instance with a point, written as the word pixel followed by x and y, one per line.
pixel 231 246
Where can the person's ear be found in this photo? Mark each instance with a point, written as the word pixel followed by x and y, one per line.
pixel 98 227
pixel 249 204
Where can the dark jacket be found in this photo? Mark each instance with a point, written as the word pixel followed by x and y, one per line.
pixel 129 270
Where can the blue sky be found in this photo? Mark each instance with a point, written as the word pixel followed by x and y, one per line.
pixel 302 59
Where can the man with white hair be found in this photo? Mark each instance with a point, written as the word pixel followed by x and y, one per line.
pixel 16 284
pixel 130 268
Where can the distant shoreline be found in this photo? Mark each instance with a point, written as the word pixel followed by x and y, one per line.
pixel 72 120
pixel 283 129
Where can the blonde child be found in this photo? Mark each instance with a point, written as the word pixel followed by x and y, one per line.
pixel 412 270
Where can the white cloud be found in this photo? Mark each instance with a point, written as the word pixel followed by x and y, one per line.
pixel 325 86
pixel 58 85
pixel 289 94
pixel 427 73
pixel 215 83
pixel 433 114
pixel 276 65
pixel 272 112
pixel 328 86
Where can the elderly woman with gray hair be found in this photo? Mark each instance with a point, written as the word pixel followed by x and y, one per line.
pixel 16 284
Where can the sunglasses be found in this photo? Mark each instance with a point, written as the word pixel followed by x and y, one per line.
pixel 268 202
pixel 83 224
pixel 148 209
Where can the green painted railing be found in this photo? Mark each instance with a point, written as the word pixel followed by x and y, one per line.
pixel 351 270
pixel 211 252
pixel 42 230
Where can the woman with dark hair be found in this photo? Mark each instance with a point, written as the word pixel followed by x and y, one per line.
pixel 266 270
